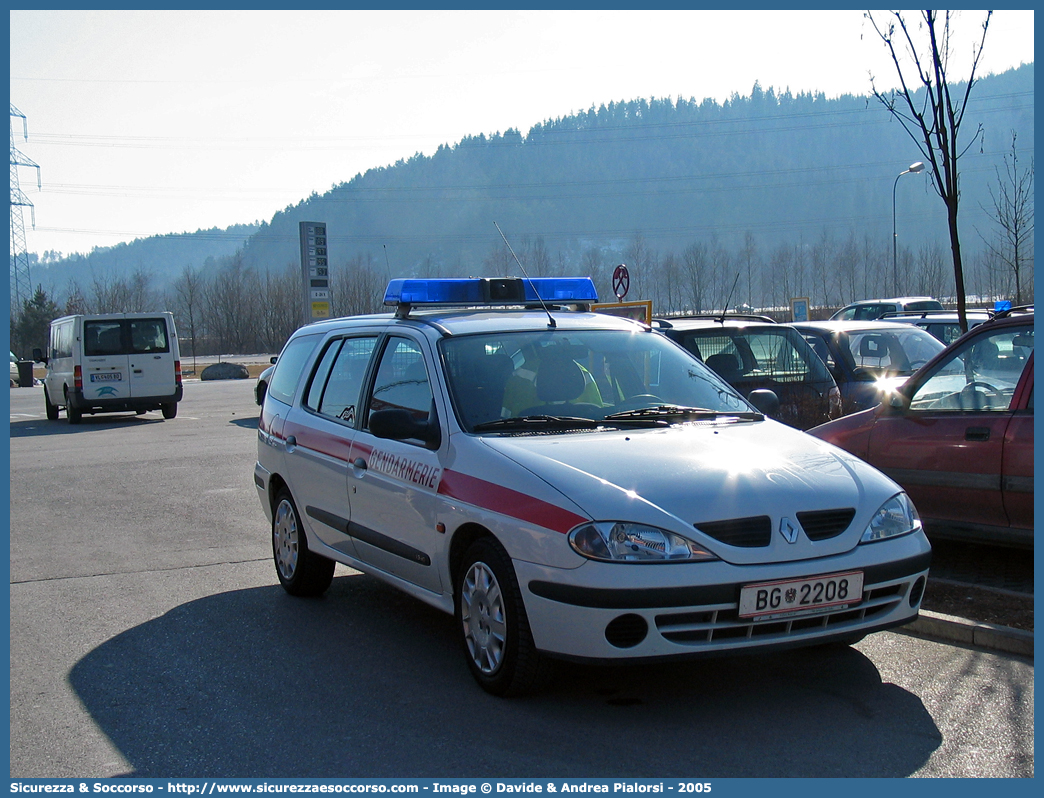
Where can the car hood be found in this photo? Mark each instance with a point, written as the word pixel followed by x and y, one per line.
pixel 699 473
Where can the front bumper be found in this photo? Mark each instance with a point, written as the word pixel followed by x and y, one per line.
pixel 618 612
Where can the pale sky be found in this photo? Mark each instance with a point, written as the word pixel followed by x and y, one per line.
pixel 152 122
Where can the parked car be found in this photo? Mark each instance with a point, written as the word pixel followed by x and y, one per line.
pixel 943 324
pixel 867 309
pixel 958 435
pixel 14 369
pixel 867 358
pixel 754 352
pixel 568 484
pixel 261 386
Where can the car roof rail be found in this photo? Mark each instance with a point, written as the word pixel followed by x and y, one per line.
pixel 666 320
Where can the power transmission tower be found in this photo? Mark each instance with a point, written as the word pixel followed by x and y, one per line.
pixel 21 283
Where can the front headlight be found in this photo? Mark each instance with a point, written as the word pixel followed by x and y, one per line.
pixel 620 541
pixel 897 516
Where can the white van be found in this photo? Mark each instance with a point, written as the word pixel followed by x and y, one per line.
pixel 110 363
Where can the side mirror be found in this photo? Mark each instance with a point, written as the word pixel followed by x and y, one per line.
pixel 765 401
pixel 273 359
pixel 397 424
pixel 38 355
pixel 896 401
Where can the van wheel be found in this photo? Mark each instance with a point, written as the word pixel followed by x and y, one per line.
pixel 493 626
pixel 301 571
pixel 170 411
pixel 74 414
pixel 52 410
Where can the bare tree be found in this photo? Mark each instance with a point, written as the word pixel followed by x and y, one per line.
pixel 934 121
pixel 186 299
pixel 1013 213
pixel 639 260
pixel 748 256
pixel 695 267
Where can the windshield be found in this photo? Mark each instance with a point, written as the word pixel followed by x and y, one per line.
pixel 593 374
pixel 888 352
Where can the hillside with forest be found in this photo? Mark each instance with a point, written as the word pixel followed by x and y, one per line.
pixel 779 194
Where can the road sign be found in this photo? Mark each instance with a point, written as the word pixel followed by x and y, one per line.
pixel 621 281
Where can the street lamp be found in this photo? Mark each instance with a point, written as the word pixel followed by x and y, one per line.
pixel 914 167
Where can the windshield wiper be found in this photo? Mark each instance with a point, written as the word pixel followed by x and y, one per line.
pixel 682 412
pixel 537 422
pixel 533 423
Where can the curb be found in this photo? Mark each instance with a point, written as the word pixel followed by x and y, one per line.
pixel 972 633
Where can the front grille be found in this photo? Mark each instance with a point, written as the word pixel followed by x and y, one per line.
pixel 715 625
pixel 825 524
pixel 746 532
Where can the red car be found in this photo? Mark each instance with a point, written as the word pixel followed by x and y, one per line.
pixel 958 435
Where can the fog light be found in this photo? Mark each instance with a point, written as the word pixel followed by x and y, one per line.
pixel 627 631
pixel 917 591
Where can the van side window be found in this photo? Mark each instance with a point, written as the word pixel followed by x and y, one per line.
pixel 289 366
pixel 61 340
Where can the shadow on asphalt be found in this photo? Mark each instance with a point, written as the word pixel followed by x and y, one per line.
pixel 369 682
pixel 61 426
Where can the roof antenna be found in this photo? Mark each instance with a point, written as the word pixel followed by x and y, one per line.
pixel 725 309
pixel 550 318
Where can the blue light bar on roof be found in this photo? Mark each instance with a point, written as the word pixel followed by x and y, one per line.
pixel 561 289
pixel 489 291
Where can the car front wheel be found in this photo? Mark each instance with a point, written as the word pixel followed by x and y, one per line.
pixel 493 624
pixel 301 571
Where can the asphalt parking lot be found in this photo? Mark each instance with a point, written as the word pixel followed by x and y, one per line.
pixel 149 637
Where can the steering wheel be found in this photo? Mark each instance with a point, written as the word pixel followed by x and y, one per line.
pixel 970 396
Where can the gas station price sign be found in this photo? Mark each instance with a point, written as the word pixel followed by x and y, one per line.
pixel 315 271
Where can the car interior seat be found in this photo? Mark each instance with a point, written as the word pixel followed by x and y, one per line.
pixel 480 387
pixel 873 347
pixel 726 365
pixel 559 382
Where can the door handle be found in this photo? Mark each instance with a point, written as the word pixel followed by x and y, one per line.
pixel 291 440
pixel 358 462
pixel 977 434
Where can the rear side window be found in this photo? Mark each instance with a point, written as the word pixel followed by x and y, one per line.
pixel 61 340
pixel 338 381
pixel 292 361
pixel 926 304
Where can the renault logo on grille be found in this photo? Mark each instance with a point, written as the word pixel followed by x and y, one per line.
pixel 788 531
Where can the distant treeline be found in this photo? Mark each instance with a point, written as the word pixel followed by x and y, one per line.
pixel 768 196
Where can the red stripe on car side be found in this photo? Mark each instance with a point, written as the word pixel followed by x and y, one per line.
pixel 503 500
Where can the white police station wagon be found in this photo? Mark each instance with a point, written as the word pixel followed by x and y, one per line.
pixel 570 485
